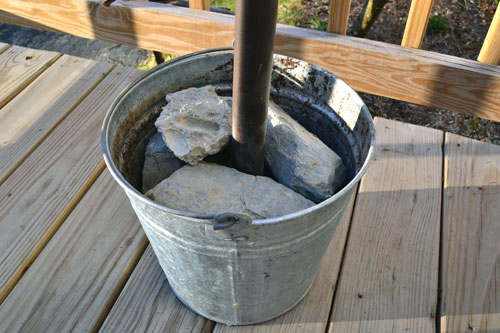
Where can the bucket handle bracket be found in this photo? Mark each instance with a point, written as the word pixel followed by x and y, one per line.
pixel 230 225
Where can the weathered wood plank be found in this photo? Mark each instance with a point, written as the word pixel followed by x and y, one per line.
pixel 42 191
pixel 19 66
pixel 389 277
pixel 147 25
pixel 199 4
pixel 311 314
pixel 35 111
pixel 76 278
pixel 490 51
pixel 338 16
pixel 147 304
pixel 405 74
pixel 416 24
pixel 471 230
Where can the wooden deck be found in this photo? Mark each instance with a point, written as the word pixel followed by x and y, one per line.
pixel 417 250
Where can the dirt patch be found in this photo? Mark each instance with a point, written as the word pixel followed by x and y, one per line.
pixel 457 28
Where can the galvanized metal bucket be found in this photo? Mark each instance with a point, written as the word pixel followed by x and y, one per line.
pixel 226 267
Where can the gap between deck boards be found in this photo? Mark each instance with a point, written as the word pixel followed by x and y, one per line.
pixel 20 66
pixel 44 103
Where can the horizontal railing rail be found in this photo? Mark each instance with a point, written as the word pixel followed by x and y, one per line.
pixel 403 73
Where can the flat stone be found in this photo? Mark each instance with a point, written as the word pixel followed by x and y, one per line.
pixel 212 189
pixel 159 163
pixel 299 159
pixel 195 123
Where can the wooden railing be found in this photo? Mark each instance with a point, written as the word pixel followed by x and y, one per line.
pixel 199 4
pixel 404 73
pixel 415 27
pixel 418 17
pixel 338 16
pixel 490 52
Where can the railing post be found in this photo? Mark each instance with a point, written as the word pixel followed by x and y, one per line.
pixel 338 16
pixel 417 23
pixel 490 52
pixel 199 4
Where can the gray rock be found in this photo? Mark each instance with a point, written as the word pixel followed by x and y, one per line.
pixel 159 163
pixel 212 189
pixel 299 160
pixel 195 123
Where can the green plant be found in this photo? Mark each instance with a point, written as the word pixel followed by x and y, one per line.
pixel 290 12
pixel 316 24
pixel 229 4
pixel 437 24
pixel 474 125
pixel 150 62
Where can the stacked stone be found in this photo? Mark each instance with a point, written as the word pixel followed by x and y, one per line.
pixel 196 123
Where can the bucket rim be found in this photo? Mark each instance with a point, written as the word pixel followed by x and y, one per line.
pixel 130 190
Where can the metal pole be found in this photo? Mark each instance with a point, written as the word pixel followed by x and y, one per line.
pixel 253 59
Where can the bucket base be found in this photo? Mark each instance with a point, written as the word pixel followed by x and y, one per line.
pixel 240 324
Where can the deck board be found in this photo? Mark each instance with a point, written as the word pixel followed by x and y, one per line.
pixel 147 304
pixel 35 111
pixel 19 66
pixel 78 275
pixel 390 273
pixel 43 190
pixel 471 233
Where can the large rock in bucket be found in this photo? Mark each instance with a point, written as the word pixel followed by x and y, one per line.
pixel 195 123
pixel 299 160
pixel 212 189
pixel 159 163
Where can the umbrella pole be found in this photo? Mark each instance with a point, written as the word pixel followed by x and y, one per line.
pixel 253 58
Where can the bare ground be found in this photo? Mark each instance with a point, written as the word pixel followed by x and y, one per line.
pixel 467 23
